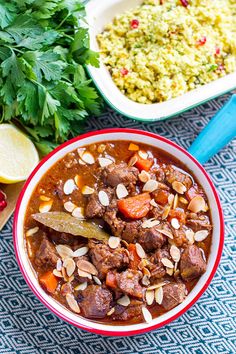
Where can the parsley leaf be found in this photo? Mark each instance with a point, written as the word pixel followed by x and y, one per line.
pixel 43 84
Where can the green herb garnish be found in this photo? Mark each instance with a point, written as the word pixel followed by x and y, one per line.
pixel 43 84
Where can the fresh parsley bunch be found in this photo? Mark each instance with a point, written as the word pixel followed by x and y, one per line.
pixel 43 84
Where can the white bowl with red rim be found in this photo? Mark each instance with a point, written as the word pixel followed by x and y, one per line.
pixel 132 136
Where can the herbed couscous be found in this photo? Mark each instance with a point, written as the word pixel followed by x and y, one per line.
pixel 165 48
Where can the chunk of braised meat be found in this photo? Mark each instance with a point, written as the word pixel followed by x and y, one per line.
pixel 121 173
pixel 63 238
pixel 46 254
pixel 116 224
pixel 159 173
pixel 128 283
pixel 156 212
pixel 155 265
pixel 133 311
pixel 173 174
pixel 105 258
pixel 192 264
pixel 198 222
pixel 173 295
pixel 96 301
pixel 131 231
pixel 94 209
pixel 151 239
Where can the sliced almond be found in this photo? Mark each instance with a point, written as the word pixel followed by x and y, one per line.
pixel 113 242
pixel 176 201
pixel 133 160
pixel 86 190
pixel 64 251
pixel 78 213
pixel 146 315
pixel 103 198
pixel 45 207
pixel 175 223
pixel 133 147
pixel 81 162
pixel 145 280
pixel 82 251
pixel 112 310
pixel 171 199
pixel 147 224
pixel 121 191
pixel 78 180
pixel 69 265
pixel 83 274
pixel 143 154
pixel 179 187
pixel 153 203
pixel 156 286
pixel 32 231
pixel 190 236
pixel 165 212
pixel 72 303
pixel 69 206
pixel 143 263
pixel 183 200
pixel 88 158
pixel 201 235
pixel 146 272
pixel 159 295
pixel 57 273
pixel 69 186
pixel 175 253
pixel 125 243
pixel 81 286
pixel 59 265
pixel 167 263
pixel 103 161
pixel 144 176
pixel 97 280
pixel 81 151
pixel 124 301
pixel 150 186
pixel 166 233
pixel 140 251
pixel 44 198
pixel 197 204
pixel 87 267
pixel 170 271
pixel 64 274
pixel 150 296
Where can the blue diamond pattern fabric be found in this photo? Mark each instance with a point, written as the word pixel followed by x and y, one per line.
pixel 209 327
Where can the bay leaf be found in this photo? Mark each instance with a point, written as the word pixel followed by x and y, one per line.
pixel 63 222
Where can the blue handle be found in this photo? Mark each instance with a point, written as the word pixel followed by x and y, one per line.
pixel 217 134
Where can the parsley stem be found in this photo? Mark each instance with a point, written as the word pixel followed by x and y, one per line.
pixel 61 23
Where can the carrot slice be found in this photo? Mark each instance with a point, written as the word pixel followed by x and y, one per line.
pixel 111 280
pixel 135 207
pixel 49 281
pixel 161 196
pixel 143 164
pixel 134 257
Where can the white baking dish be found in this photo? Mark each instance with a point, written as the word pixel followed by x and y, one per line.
pixel 101 12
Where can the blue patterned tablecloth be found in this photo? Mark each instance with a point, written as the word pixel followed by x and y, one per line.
pixel 26 326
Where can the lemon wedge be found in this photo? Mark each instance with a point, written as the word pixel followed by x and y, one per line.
pixel 18 155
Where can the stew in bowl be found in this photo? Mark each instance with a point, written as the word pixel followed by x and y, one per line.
pixel 118 232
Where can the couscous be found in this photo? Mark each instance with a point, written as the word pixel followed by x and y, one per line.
pixel 165 48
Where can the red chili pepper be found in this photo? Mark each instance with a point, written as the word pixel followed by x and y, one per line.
pixel 134 24
pixel 124 72
pixel 202 41
pixel 217 52
pixel 185 3
pixel 3 202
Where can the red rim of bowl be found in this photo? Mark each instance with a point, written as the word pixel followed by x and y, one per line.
pixel 114 332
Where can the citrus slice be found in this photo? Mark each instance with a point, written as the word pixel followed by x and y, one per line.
pixel 18 155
